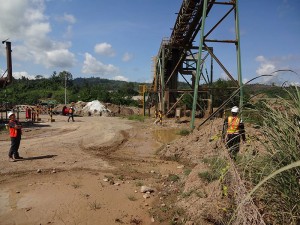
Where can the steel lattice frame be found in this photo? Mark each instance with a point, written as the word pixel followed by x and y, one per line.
pixel 178 57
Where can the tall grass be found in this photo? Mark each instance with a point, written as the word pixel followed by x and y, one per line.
pixel 279 195
pixel 217 168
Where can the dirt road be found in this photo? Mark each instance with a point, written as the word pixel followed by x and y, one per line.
pixel 86 172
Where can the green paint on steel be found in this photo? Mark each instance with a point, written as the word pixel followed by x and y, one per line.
pixel 192 125
pixel 238 49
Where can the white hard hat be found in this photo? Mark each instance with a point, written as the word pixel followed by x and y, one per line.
pixel 9 114
pixel 235 109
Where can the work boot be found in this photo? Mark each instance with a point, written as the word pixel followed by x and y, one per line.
pixel 18 157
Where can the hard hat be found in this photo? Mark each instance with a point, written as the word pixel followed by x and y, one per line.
pixel 9 114
pixel 235 109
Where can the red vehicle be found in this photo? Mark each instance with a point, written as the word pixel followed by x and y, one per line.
pixel 65 111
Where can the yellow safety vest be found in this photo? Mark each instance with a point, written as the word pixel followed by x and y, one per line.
pixel 233 125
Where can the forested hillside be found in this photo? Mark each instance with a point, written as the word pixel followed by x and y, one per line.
pixel 25 91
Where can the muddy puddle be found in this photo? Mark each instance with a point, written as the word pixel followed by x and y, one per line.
pixel 166 136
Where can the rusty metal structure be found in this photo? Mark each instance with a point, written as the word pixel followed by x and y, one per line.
pixel 184 57
pixel 4 81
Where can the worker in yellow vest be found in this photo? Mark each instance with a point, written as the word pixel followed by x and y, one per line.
pixel 233 130
pixel 159 117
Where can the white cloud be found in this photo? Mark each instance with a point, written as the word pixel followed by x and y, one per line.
pixel 280 64
pixel 61 58
pixel 245 80
pixel 224 76
pixel 27 26
pixel 69 18
pixel 269 65
pixel 121 78
pixel 127 57
pixel 260 58
pixel 92 66
pixel 18 75
pixel 295 84
pixel 69 32
pixel 19 18
pixel 104 49
pixel 266 66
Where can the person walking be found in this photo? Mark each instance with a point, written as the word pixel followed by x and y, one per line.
pixel 15 132
pixel 71 114
pixel 28 113
pixel 233 130
pixel 159 118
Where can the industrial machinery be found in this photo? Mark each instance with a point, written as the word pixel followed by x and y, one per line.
pixel 184 57
pixel 6 80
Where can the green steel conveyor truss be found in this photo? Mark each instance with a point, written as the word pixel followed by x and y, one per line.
pixel 186 55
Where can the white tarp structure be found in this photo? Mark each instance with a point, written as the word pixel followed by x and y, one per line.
pixel 95 108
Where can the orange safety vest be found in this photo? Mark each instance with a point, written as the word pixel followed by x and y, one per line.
pixel 233 125
pixel 13 132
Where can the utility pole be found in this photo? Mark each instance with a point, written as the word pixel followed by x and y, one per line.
pixel 65 88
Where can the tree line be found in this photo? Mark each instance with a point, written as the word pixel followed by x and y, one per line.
pixel 26 91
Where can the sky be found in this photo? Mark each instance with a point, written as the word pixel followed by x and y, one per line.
pixel 117 39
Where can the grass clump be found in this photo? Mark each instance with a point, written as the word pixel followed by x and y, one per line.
pixel 139 183
pixel 187 194
pixel 184 132
pixel 208 176
pixel 217 168
pixel 139 118
pixel 173 177
pixel 187 172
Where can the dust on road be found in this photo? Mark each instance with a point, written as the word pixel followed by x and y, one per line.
pixel 86 172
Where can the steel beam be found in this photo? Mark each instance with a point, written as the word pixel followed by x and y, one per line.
pixel 178 55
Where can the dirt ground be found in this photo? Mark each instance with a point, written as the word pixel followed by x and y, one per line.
pixel 86 172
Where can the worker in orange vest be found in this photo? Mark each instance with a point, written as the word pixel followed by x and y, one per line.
pixel 15 132
pixel 233 130
pixel 71 114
